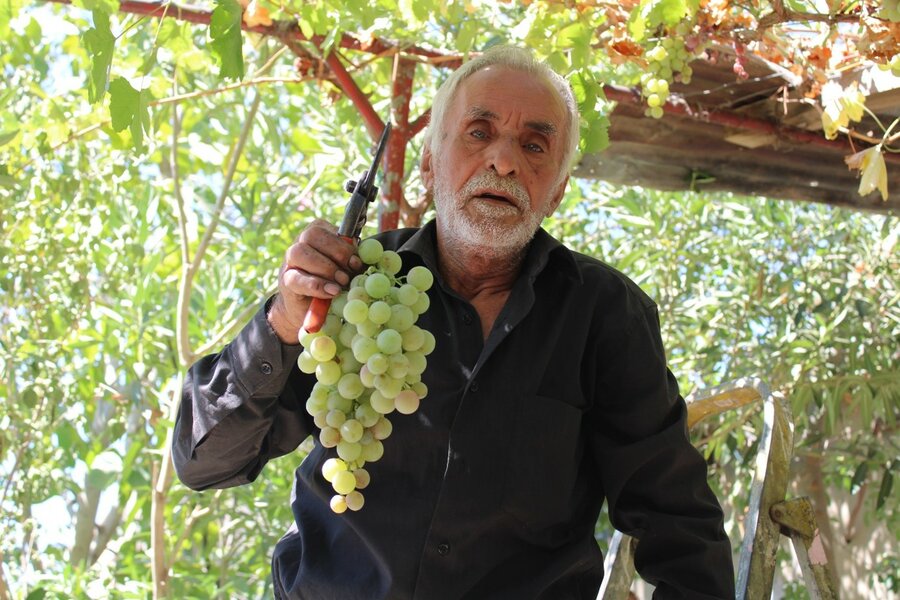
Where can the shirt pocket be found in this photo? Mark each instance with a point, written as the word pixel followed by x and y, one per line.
pixel 546 453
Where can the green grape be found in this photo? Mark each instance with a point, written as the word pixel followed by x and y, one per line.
pixel 374 451
pixel 338 402
pixel 323 348
pixel 407 294
pixel 402 318
pixel 329 437
pixel 421 304
pixel 348 451
pixel 367 328
pixel 338 504
pixel 350 386
pixel 412 338
pixel 428 343
pixel 654 100
pixel 362 478
pixel 387 385
pixel 399 366
pixel 366 376
pixel 354 500
pixel 378 285
pixel 421 389
pixel 332 467
pixel 337 306
pixel 344 482
pixel 348 362
pixel 351 430
pixel 356 311
pixel 389 341
pixel 358 293
pixel 306 362
pixel 370 251
pixel 328 373
pixel 335 418
pixel 332 325
pixel 416 362
pixel 391 262
pixel 382 429
pixel 319 419
pixel 315 405
pixel 378 363
pixel 367 415
pixel 348 330
pixel 363 348
pixel 379 312
pixel 407 402
pixel 420 277
pixel 381 403
pixel 656 112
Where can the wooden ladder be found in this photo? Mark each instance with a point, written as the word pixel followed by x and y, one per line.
pixel 769 516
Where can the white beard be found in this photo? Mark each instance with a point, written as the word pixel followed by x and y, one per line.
pixel 487 232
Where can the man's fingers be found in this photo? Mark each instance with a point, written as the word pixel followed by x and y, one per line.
pixel 311 260
pixel 300 283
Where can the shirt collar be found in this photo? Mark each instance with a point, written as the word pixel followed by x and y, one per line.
pixel 543 249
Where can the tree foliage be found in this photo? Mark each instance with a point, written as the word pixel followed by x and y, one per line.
pixel 153 171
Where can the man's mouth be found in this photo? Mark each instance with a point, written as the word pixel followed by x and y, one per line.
pixel 496 198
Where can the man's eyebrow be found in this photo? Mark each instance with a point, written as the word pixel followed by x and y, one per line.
pixel 544 127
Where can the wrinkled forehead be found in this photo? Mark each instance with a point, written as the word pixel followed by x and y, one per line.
pixel 498 92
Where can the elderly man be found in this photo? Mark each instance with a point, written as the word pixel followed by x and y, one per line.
pixel 548 389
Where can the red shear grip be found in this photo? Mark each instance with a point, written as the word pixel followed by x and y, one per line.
pixel 318 308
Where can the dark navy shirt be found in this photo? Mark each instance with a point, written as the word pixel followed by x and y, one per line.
pixel 493 487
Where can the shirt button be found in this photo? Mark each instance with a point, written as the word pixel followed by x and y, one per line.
pixel 474 386
pixel 443 549
pixel 266 368
pixel 467 319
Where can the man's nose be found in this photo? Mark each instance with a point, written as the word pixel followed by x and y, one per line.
pixel 504 157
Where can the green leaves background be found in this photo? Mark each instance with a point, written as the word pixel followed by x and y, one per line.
pixel 103 205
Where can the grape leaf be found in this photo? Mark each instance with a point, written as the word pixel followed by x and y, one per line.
pixel 8 10
pixel 225 33
pixel 596 139
pixel 99 43
pixel 128 109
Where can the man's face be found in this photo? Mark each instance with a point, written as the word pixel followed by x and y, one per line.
pixel 498 169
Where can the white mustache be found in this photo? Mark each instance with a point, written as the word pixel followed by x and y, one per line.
pixel 489 179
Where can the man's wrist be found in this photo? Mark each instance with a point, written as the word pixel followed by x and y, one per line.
pixel 287 331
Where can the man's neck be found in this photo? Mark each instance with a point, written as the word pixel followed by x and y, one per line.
pixel 472 271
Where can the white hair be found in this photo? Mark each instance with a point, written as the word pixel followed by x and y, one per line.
pixel 511 57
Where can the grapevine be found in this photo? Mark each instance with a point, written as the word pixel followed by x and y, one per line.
pixel 368 360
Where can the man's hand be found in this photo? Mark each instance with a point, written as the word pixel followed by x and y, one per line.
pixel 317 265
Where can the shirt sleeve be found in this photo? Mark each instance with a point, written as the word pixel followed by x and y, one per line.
pixel 654 478
pixel 240 408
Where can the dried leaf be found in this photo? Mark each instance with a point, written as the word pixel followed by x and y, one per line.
pixel 870 163
pixel 257 14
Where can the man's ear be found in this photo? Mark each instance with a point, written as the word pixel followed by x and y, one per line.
pixel 425 168
pixel 557 197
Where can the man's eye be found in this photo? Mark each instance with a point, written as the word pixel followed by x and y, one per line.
pixel 534 147
pixel 478 134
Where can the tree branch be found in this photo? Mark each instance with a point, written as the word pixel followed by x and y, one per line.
pixel 187 281
pixel 348 85
pixel 280 29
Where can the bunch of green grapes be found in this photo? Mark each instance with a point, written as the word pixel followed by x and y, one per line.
pixel 894 65
pixel 368 360
pixel 668 58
